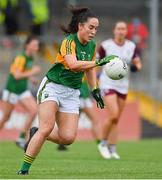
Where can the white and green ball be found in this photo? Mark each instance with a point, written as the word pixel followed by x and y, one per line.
pixel 116 69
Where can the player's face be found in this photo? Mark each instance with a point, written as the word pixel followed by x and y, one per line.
pixel 120 30
pixel 33 46
pixel 88 30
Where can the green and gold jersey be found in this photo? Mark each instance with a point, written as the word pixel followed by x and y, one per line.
pixel 22 63
pixel 60 73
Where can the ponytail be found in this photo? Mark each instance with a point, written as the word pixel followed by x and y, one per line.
pixel 79 15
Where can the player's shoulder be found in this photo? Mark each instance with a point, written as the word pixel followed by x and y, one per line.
pixel 68 40
pixel 70 37
pixel 106 42
pixel 20 56
pixel 130 43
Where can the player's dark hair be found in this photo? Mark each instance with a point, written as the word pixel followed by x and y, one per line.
pixel 29 39
pixel 79 15
pixel 119 21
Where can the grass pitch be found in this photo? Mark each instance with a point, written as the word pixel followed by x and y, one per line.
pixel 141 159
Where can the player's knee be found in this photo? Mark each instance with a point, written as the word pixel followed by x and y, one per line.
pixel 115 117
pixel 115 121
pixel 32 112
pixel 45 132
pixel 67 139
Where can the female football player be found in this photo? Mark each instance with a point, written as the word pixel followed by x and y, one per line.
pixel 115 91
pixel 21 70
pixel 58 94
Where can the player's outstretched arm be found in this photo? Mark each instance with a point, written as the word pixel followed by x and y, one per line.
pixel 78 65
pixel 26 74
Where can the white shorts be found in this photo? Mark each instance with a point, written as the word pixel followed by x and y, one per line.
pixel 14 98
pixel 66 98
pixel 86 103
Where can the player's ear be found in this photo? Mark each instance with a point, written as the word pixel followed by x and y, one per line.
pixel 80 26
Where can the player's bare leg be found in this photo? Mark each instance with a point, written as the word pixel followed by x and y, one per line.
pixel 111 103
pixel 71 122
pixel 46 115
pixel 67 128
pixel 95 122
pixel 6 112
pixel 113 135
pixel 30 106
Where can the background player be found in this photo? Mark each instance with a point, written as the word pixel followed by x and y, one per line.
pixel 21 70
pixel 115 91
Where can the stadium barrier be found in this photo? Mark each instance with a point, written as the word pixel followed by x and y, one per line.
pixel 129 125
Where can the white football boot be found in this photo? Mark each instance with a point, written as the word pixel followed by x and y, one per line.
pixel 104 151
pixel 115 155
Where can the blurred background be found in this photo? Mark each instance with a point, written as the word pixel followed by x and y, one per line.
pixel 18 18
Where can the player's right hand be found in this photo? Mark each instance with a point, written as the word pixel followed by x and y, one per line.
pixel 36 70
pixel 133 68
pixel 97 96
pixel 105 60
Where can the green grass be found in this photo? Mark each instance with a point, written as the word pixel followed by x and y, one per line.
pixel 141 159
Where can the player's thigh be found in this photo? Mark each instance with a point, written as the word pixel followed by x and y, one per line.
pixel 67 124
pixel 29 104
pixel 89 111
pixel 7 108
pixel 111 102
pixel 47 115
pixel 9 100
pixel 121 104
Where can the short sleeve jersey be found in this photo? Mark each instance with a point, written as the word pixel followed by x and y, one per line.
pixel 22 63
pixel 60 73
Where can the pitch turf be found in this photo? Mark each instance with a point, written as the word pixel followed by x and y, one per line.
pixel 141 159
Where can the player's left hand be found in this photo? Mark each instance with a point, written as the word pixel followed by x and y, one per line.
pixel 105 60
pixel 97 96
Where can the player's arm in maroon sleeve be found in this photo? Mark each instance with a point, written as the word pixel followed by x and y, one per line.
pixel 101 52
pixel 136 62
